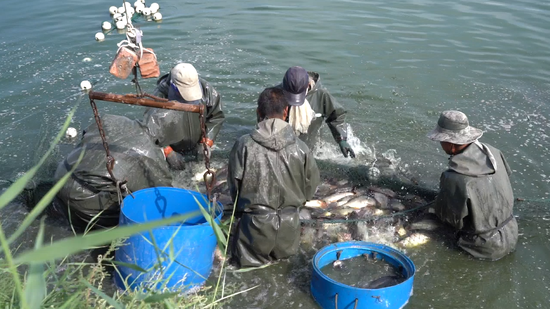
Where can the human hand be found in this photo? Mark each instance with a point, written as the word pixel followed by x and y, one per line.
pixel 346 148
pixel 175 159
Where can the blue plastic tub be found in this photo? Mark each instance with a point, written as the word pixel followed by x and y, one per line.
pixel 185 251
pixel 329 293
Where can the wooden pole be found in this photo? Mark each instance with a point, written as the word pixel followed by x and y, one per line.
pixel 134 100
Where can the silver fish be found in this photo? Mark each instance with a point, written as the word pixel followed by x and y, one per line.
pixel 385 191
pixel 396 205
pixel 429 222
pixel 344 200
pixel 361 202
pixel 316 204
pixel 381 200
pixel 337 196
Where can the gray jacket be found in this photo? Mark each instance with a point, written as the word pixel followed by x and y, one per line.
pixel 327 109
pixel 476 198
pixel 272 168
pixel 182 130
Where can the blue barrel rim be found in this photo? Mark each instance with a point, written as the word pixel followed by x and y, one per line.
pixel 217 219
pixel 370 246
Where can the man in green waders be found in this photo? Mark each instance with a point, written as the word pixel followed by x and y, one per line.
pixel 179 133
pixel 271 173
pixel 310 105
pixel 475 194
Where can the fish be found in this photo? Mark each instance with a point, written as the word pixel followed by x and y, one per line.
pixel 396 205
pixel 316 204
pixel 429 222
pixel 337 196
pixel 381 200
pixel 344 200
pixel 360 202
pixel 414 240
pixel 384 282
pixel 385 191
pixel 342 212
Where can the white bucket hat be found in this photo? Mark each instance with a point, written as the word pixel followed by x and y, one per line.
pixel 453 127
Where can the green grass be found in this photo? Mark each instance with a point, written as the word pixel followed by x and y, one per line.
pixel 47 276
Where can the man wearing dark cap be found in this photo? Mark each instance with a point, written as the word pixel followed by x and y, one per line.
pixel 180 132
pixel 310 105
pixel 271 173
pixel 475 194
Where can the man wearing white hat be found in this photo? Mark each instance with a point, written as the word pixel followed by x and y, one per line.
pixel 475 194
pixel 180 132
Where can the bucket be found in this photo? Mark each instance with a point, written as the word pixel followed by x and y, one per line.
pixel 184 252
pixel 329 293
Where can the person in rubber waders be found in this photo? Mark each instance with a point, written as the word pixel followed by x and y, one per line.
pixel 475 194
pixel 311 104
pixel 180 133
pixel 271 173
pixel 91 198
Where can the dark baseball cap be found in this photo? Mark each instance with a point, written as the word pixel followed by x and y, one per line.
pixel 295 85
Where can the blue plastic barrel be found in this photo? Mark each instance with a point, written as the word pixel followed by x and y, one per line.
pixel 329 293
pixel 177 256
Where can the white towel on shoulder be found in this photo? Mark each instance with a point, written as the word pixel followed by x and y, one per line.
pixel 300 117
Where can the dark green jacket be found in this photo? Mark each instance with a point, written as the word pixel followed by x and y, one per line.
pixel 476 198
pixel 274 173
pixel 182 130
pixel 322 102
pixel 327 109
pixel 90 189
pixel 272 168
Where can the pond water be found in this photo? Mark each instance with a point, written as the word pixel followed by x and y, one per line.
pixel 393 65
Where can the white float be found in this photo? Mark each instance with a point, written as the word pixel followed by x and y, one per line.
pixel 85 85
pixel 157 16
pixel 116 16
pixel 106 26
pixel 121 24
pixel 71 133
pixel 99 36
pixel 121 10
pixel 154 7
pixel 147 11
pixel 113 9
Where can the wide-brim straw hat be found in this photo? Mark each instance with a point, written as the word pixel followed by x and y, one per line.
pixel 453 127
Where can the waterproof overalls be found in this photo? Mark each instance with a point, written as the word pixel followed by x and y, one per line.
pixel 476 198
pixel 271 173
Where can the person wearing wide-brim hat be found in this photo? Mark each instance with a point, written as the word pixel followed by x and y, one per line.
pixel 475 194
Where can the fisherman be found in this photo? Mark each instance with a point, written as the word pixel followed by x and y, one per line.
pixel 180 133
pixel 311 104
pixel 475 194
pixel 90 196
pixel 271 173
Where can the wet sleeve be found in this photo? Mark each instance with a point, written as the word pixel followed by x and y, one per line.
pixel 235 170
pixel 452 201
pixel 335 115
pixel 214 117
pixel 313 178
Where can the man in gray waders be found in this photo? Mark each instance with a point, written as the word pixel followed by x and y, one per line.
pixel 179 133
pixel 91 191
pixel 475 194
pixel 311 104
pixel 271 173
